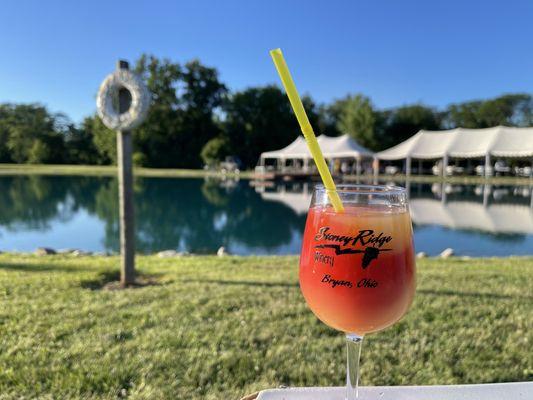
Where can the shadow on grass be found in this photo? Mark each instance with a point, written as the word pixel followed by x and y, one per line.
pixel 420 291
pixel 110 280
pixel 244 283
pixel 473 294
pixel 26 267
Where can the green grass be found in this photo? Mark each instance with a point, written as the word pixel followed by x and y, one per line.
pixel 107 170
pixel 220 328
pixel 110 170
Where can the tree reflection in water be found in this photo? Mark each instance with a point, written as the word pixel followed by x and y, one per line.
pixel 199 216
pixel 185 214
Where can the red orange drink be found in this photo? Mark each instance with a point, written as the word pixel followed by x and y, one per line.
pixel 357 267
pixel 357 270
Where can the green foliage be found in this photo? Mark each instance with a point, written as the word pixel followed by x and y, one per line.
pixel 29 135
pixel 81 146
pixel 399 124
pixel 260 119
pixel 158 136
pixel 215 150
pixel 104 139
pixel 215 328
pixel 509 110
pixel 139 159
pixel 181 119
pixel 356 117
pixel 328 115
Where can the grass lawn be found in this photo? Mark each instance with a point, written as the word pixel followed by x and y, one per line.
pixel 220 328
pixel 108 170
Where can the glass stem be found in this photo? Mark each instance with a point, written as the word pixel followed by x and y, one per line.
pixel 353 351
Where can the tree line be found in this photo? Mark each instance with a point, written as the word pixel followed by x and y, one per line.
pixel 195 120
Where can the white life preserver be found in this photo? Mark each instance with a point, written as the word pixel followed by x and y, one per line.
pixel 140 100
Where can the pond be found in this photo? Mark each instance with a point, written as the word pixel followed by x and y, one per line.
pixel 199 216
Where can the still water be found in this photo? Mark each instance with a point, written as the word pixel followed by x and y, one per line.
pixel 199 216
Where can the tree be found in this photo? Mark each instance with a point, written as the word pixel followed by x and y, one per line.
pixel 5 154
pixel 203 94
pixel 328 115
pixel 215 150
pixel 157 137
pixel 260 119
pixel 104 139
pixel 509 110
pixel 181 119
pixel 356 117
pixel 79 143
pixel 29 135
pixel 396 125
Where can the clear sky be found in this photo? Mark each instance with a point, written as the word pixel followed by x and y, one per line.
pixel 396 52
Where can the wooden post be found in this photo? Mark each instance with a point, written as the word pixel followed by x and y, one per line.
pixel 119 113
pixel 125 192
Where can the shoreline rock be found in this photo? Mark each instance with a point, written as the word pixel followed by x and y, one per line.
pixel 171 253
pixel 44 251
pixel 222 252
pixel 447 253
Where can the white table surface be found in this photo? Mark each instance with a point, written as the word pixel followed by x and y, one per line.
pixel 491 391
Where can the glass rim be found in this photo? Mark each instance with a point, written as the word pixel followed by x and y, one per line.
pixel 364 189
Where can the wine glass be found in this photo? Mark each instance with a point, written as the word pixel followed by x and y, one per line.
pixel 357 267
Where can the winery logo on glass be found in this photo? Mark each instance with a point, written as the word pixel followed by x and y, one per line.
pixel 366 242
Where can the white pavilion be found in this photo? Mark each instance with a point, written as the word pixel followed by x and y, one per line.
pixel 342 148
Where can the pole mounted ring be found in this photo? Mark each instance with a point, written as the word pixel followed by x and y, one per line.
pixel 140 100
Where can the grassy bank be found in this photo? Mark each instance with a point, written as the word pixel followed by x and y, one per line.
pixel 214 328
pixel 109 170
pixel 105 170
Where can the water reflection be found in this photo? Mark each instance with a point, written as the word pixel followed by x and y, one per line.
pixel 185 214
pixel 493 209
pixel 201 215
pixel 473 219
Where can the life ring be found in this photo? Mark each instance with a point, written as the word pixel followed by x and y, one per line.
pixel 140 100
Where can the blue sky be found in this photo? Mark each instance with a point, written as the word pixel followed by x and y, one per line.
pixel 396 52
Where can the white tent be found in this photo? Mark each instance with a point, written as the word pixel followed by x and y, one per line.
pixel 499 141
pixel 340 147
pixel 297 149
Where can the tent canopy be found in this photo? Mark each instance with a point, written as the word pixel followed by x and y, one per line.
pixel 332 147
pixel 499 141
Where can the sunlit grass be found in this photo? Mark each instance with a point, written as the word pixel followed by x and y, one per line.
pixel 216 328
pixel 109 170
